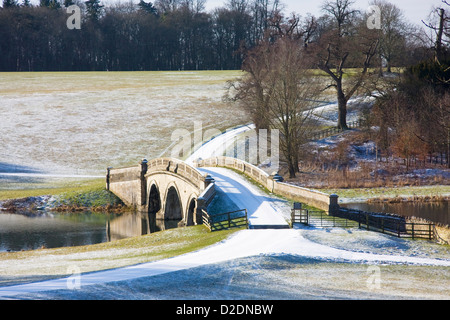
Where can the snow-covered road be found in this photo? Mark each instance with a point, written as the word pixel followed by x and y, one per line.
pixel 263 211
pixel 218 145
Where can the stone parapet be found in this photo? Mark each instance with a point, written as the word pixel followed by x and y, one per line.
pixel 274 184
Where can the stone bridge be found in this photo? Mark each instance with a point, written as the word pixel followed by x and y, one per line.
pixel 172 191
pixel 167 189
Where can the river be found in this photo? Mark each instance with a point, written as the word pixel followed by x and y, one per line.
pixel 52 230
pixel 437 212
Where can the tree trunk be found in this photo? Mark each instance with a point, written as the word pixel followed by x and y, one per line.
pixel 292 160
pixel 389 68
pixel 438 46
pixel 448 149
pixel 342 106
pixel 292 171
pixel 342 112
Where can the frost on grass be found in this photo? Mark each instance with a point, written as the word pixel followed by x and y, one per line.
pixel 358 240
pixel 81 123
pixel 273 277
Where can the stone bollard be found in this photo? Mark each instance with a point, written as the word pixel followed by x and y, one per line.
pixel 334 205
pixel 208 180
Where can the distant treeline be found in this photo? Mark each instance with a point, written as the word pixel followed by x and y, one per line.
pixel 170 35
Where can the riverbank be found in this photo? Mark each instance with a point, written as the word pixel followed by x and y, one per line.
pixel 412 193
pixel 42 264
pixel 83 196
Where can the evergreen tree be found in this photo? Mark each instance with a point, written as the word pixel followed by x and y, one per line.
pixel 10 3
pixel 54 4
pixel 147 7
pixel 93 9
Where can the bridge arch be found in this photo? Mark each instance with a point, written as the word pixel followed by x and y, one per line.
pixel 154 199
pixel 191 210
pixel 173 208
pixel 164 188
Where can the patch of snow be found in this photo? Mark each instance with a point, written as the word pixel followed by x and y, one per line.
pixel 432 173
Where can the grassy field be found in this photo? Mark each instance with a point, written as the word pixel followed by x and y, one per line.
pixel 66 186
pixel 352 72
pixel 82 122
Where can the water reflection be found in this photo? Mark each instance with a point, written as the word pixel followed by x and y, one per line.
pixel 29 232
pixel 437 212
pixel 52 230
pixel 136 224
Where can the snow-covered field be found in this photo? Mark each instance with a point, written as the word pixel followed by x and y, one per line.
pixel 81 123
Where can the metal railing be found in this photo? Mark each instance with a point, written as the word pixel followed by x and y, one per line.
pixel 320 219
pixel 388 224
pixel 227 220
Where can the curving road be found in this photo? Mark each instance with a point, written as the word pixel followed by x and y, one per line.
pixel 263 211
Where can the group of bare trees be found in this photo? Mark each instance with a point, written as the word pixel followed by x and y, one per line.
pixel 278 90
pixel 163 35
pixel 281 82
pixel 413 114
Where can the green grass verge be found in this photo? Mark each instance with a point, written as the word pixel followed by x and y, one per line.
pixel 57 188
pixel 90 193
pixel 43 264
pixel 155 246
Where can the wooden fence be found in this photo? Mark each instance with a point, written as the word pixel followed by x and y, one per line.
pixel 334 130
pixel 379 222
pixel 223 221
pixel 437 158
pixel 390 224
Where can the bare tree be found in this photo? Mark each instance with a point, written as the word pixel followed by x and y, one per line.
pixel 392 46
pixel 341 12
pixel 347 44
pixel 441 30
pixel 278 90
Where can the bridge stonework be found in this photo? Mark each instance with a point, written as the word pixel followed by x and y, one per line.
pixel 165 188
pixel 320 200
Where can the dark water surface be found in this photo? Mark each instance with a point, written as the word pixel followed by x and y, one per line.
pixel 52 230
pixel 29 232
pixel 437 212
